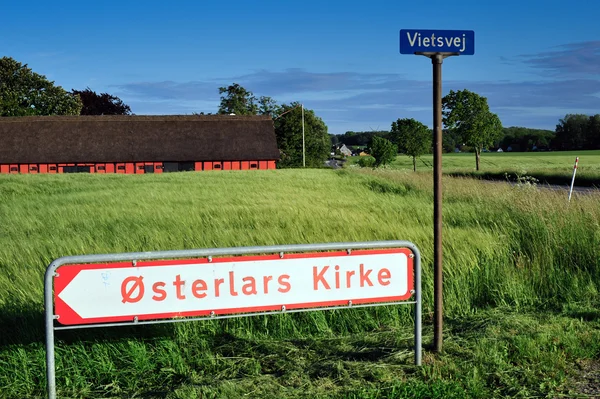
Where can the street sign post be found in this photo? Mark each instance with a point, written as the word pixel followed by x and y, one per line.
pixel 437 45
pixel 139 288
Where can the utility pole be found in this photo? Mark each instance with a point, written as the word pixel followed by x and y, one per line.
pixel 303 146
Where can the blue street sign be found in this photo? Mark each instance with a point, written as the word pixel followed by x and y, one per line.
pixel 437 41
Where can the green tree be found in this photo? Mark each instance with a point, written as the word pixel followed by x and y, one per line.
pixel 383 150
pixel 575 132
pixel 24 92
pixel 334 139
pixel 412 137
pixel 450 140
pixel 468 114
pixel 268 106
pixel 287 119
pixel 237 100
pixel 288 129
pixel 593 133
pixel 101 104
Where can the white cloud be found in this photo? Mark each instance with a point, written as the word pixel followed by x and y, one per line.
pixel 355 101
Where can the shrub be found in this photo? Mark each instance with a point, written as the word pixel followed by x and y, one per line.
pixel 366 162
pixel 383 150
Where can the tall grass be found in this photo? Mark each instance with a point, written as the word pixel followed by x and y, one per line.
pixel 511 247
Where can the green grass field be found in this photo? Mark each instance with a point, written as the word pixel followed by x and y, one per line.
pixel 550 167
pixel 522 274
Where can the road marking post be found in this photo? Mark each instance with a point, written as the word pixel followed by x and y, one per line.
pixel 573 179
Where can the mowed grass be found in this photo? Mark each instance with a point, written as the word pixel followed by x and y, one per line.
pixel 553 167
pixel 521 286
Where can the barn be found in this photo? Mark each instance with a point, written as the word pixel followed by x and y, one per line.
pixel 136 144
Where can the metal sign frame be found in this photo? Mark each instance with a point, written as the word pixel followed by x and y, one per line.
pixel 51 273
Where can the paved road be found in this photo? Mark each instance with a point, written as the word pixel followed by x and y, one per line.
pixel 580 190
pixel 334 163
pixel 555 187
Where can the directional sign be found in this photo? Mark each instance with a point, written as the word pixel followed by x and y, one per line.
pixel 119 292
pixel 437 41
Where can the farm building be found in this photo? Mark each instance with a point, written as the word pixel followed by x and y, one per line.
pixel 345 150
pixel 136 144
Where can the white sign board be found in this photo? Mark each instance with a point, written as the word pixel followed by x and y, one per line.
pixel 99 293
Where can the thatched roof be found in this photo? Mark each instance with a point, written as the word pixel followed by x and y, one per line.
pixel 56 139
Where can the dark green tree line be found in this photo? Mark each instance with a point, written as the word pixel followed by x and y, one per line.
pixel 360 139
pixel 577 132
pixel 525 139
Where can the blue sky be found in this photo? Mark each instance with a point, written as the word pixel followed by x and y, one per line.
pixel 535 60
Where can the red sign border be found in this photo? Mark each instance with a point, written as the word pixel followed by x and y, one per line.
pixel 66 274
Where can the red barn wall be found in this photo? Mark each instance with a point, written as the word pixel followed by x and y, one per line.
pixel 132 167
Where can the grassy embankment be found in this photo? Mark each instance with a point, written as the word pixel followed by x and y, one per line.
pixel 554 167
pixel 522 272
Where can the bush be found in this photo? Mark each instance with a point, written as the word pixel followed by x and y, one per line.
pixel 366 162
pixel 383 150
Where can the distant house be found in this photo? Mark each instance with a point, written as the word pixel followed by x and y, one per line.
pixel 136 144
pixel 345 150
